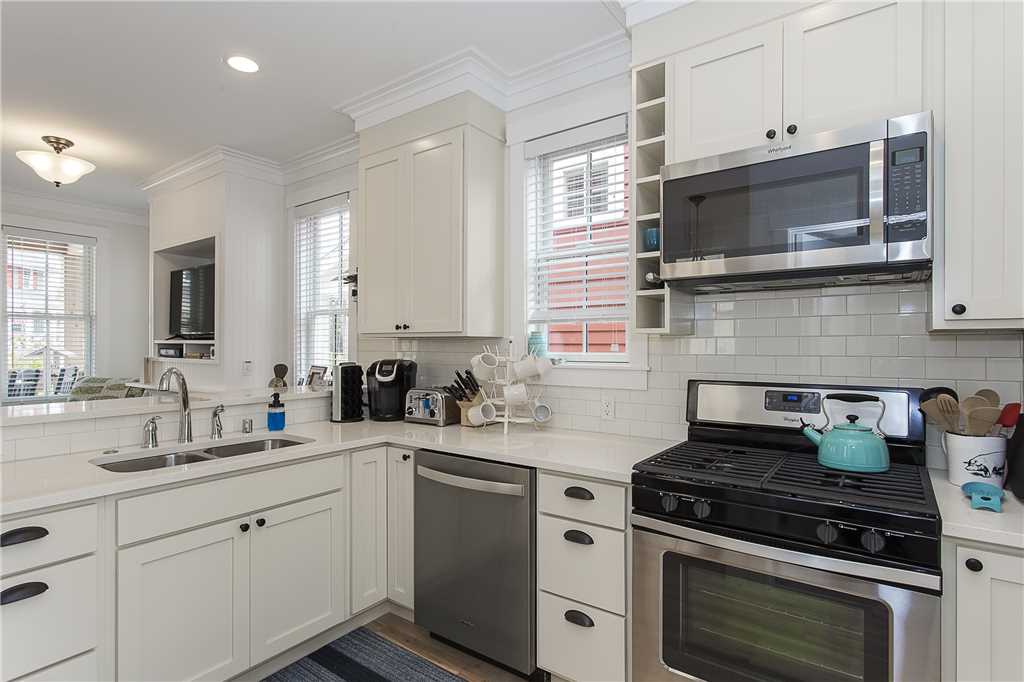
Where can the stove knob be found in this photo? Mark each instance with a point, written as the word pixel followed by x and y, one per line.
pixel 872 541
pixel 701 509
pixel 669 502
pixel 827 533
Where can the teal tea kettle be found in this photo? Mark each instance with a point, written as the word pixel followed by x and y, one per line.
pixel 851 446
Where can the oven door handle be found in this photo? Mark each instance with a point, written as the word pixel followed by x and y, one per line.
pixel 867 571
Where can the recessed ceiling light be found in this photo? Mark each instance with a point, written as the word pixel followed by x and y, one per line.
pixel 243 64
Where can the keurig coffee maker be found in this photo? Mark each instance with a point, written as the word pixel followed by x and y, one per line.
pixel 387 382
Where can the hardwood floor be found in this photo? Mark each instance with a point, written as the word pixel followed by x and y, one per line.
pixel 417 640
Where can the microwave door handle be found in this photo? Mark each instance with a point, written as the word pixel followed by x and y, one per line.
pixel 876 192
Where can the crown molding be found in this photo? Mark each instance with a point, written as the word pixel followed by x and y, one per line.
pixel 639 11
pixel 216 159
pixel 333 155
pixel 472 70
pixel 16 200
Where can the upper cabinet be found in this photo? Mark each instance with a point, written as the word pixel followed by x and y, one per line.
pixel 980 282
pixel 828 67
pixel 431 227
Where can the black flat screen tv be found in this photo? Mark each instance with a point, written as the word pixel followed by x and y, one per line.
pixel 192 295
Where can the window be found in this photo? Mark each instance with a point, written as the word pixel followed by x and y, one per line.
pixel 321 293
pixel 577 221
pixel 49 310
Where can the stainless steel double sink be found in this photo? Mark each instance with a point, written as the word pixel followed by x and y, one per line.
pixel 172 459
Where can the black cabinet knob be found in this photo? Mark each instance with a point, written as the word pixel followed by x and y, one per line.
pixel 791 129
pixel 244 527
pixel 973 564
pixel 261 522
pixel 405 326
pixel 405 457
pixel 959 309
pixel 397 327
pixel 770 134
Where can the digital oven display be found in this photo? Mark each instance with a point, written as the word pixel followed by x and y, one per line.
pixel 901 157
pixel 807 402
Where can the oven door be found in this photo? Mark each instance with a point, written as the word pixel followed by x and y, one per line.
pixel 704 612
pixel 821 209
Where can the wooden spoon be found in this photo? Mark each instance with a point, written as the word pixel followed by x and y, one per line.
pixel 990 396
pixel 950 410
pixel 971 402
pixel 934 412
pixel 981 419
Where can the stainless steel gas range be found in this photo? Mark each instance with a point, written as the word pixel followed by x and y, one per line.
pixel 753 562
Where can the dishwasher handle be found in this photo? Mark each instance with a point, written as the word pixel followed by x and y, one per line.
pixel 478 484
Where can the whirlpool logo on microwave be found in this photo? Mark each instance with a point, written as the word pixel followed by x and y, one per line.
pixel 779 150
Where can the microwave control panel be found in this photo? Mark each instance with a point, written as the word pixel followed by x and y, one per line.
pixel 907 187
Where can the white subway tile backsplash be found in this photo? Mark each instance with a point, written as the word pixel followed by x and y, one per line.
pixel 731 310
pixel 899 324
pixel 754 364
pixel 778 345
pixel 989 345
pixel 845 325
pixel 845 366
pixel 898 367
pixel 755 328
pixel 955 368
pixel 46 446
pixel 76 426
pixel 778 307
pixel 872 304
pixel 1005 369
pixel 799 326
pixel 716 363
pixel 913 302
pixel 823 345
pixel 872 345
pixel 799 365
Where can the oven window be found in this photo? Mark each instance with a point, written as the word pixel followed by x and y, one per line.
pixel 804 203
pixel 721 623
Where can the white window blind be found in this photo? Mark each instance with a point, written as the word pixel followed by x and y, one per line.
pixel 321 295
pixel 50 311
pixel 577 215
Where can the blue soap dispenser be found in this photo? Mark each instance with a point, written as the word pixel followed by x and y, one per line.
pixel 275 414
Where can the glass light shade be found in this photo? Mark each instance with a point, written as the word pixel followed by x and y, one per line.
pixel 57 168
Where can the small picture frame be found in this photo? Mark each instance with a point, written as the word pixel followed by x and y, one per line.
pixel 315 376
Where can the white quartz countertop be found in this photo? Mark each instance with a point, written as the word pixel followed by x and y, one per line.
pixel 34 413
pixel 26 485
pixel 1005 528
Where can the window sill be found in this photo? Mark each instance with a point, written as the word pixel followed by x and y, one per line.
pixel 597 375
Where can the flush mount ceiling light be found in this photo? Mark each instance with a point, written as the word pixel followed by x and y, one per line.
pixel 243 64
pixel 60 169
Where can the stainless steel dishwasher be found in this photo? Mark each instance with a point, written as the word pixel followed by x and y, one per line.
pixel 475 549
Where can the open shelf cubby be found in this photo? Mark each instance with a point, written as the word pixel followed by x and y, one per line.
pixel 650 83
pixel 650 120
pixel 649 157
pixel 165 261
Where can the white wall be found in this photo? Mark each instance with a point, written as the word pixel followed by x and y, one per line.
pixel 122 270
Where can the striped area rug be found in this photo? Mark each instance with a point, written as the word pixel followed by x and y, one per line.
pixel 362 656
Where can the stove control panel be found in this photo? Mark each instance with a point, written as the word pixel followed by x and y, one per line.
pixel 806 402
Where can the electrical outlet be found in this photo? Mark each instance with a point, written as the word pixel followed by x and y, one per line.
pixel 607 408
pixel 246 367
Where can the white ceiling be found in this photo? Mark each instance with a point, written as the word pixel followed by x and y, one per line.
pixel 140 86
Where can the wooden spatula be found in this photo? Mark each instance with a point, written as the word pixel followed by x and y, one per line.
pixel 950 410
pixel 934 412
pixel 972 402
pixel 981 419
pixel 990 396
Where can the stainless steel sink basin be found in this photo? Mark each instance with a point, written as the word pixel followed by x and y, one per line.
pixel 249 447
pixel 211 453
pixel 156 462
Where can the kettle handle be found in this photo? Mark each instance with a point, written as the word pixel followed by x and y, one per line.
pixel 859 398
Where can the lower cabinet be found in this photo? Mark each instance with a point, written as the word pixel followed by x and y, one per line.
pixel 369 527
pixel 989 615
pixel 579 642
pixel 401 488
pixel 231 594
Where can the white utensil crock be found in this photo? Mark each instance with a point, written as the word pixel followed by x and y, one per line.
pixel 975 458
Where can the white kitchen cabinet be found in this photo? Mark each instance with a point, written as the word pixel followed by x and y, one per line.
pixel 727 94
pixel 989 616
pixel 369 564
pixel 401 487
pixel 382 208
pixel 979 282
pixel 805 74
pixel 299 573
pixel 183 605
pixel 831 81
pixel 430 231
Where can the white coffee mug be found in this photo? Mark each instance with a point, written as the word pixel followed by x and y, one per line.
pixel 975 458
pixel 531 366
pixel 479 415
pixel 483 366
pixel 516 394
pixel 541 412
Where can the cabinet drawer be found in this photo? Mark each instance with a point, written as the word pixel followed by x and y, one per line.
pixel 583 562
pixel 81 668
pixel 600 503
pixel 590 649
pixel 148 516
pixel 47 538
pixel 56 622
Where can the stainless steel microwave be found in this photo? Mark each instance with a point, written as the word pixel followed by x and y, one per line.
pixel 839 206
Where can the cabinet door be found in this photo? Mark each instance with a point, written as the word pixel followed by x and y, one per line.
pixel 381 245
pixel 989 616
pixel 369 550
pixel 183 605
pixel 984 245
pixel 299 574
pixel 401 487
pixel 848 63
pixel 728 93
pixel 435 239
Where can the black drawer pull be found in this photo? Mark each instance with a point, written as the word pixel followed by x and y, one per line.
pixel 22 591
pixel 973 564
pixel 579 618
pixel 578 536
pixel 20 535
pixel 578 493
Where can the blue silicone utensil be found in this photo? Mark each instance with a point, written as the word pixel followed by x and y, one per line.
pixel 984 495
